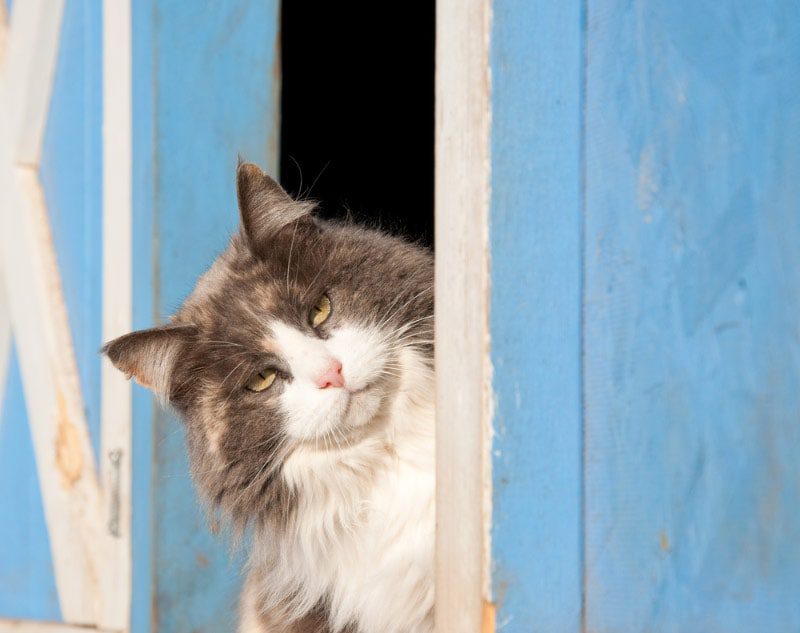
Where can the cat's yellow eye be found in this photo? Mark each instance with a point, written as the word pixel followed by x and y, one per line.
pixel 262 380
pixel 320 312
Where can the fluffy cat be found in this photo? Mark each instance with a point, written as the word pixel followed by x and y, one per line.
pixel 302 366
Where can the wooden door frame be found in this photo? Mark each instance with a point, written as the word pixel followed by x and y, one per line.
pixel 463 370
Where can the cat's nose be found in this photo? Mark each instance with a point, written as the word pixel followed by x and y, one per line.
pixel 332 376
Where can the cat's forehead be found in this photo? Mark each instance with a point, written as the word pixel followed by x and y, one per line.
pixel 363 271
pixel 239 291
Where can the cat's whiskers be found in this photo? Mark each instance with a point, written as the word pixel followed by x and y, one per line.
pixel 331 254
pixel 216 343
pixel 222 360
pixel 232 371
pixel 390 310
pixel 407 326
pixel 305 195
pixel 291 248
pixel 402 333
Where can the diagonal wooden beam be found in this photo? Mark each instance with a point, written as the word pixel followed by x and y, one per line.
pixel 64 458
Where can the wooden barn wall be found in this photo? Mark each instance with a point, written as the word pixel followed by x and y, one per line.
pixel 205 86
pixel 535 226
pixel 645 280
pixel 692 316
pixel 70 174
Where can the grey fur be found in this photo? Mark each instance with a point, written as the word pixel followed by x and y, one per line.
pixel 277 266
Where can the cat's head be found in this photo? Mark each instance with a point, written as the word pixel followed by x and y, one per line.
pixel 300 334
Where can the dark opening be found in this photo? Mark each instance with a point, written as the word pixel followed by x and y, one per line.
pixel 358 110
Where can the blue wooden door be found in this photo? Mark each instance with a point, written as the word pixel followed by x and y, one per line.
pixel 57 554
pixel 645 246
pixel 120 127
pixel 692 304
pixel 206 86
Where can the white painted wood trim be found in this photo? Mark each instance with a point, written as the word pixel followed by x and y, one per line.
pixel 115 407
pixel 30 66
pixel 463 400
pixel 29 626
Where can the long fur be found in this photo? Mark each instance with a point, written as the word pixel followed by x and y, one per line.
pixel 337 484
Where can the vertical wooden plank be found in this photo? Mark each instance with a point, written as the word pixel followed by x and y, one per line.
pixel 206 90
pixel 116 414
pixel 536 227
pixel 143 615
pixel 462 384
pixel 692 304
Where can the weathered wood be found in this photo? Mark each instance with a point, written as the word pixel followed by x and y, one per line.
pixel 65 463
pixel 206 88
pixel 692 303
pixel 116 403
pixel 64 458
pixel 535 240
pixel 462 304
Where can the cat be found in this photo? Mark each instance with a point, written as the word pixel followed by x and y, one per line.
pixel 302 367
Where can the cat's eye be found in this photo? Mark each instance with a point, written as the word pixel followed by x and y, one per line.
pixel 320 312
pixel 262 380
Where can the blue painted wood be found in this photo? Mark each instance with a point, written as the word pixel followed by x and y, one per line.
pixel 143 614
pixel 205 91
pixel 70 174
pixel 535 229
pixel 71 177
pixel 692 357
pixel 27 585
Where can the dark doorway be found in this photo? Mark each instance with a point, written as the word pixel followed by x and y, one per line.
pixel 357 128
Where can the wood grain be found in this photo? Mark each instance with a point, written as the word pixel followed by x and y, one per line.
pixel 462 302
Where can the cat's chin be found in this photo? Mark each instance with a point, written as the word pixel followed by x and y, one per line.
pixel 362 408
pixel 361 413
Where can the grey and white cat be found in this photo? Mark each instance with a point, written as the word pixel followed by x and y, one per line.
pixel 302 366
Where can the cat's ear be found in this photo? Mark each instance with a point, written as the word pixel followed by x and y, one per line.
pixel 264 206
pixel 149 355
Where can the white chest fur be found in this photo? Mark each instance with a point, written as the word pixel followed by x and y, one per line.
pixel 364 531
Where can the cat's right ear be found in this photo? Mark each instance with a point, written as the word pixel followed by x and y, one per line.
pixel 149 355
pixel 264 206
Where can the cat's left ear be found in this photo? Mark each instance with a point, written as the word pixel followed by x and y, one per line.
pixel 149 355
pixel 265 207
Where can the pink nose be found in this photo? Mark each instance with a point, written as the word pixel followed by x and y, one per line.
pixel 332 376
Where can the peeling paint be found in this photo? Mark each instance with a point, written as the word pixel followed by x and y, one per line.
pixel 488 617
pixel 68 455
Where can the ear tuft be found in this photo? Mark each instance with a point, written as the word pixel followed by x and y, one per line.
pixel 264 206
pixel 149 355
